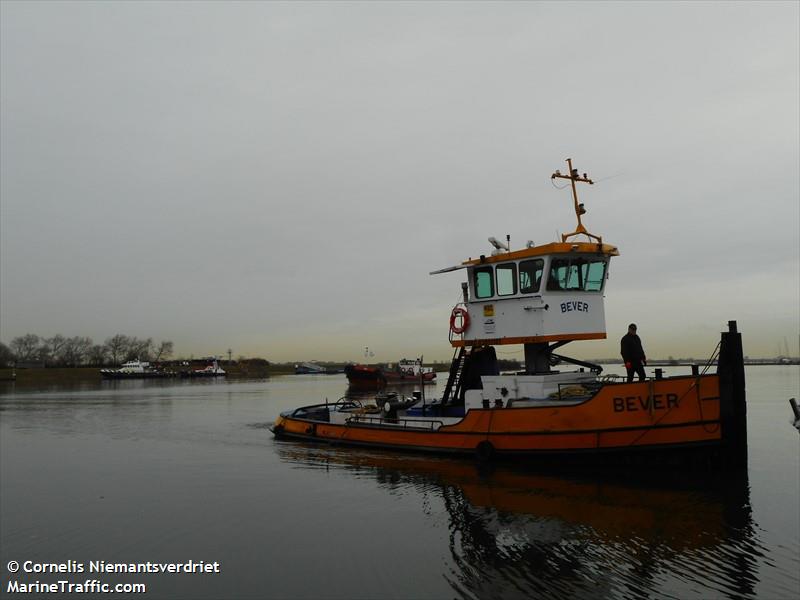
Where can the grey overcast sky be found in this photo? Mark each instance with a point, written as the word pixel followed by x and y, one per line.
pixel 279 178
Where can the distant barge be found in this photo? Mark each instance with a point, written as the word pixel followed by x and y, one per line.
pixel 136 369
pixel 375 377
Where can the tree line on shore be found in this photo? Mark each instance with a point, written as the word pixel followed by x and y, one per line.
pixel 80 351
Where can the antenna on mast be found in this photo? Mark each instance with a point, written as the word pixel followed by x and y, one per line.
pixel 579 209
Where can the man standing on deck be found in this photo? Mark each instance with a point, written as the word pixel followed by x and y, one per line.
pixel 633 354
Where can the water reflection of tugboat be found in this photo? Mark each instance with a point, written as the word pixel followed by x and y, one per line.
pixel 544 297
pixel 520 533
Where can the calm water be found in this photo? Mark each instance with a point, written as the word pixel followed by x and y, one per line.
pixel 168 472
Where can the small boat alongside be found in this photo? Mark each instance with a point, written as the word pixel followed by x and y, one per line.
pixel 544 297
pixel 376 377
pixel 136 369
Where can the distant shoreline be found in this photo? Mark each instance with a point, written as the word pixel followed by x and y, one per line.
pixel 55 375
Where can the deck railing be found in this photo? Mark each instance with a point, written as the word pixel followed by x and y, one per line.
pixel 424 425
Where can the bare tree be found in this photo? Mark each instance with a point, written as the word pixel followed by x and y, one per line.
pixel 146 348
pixel 25 347
pixel 78 350
pixel 117 347
pixel 97 355
pixel 6 356
pixel 50 349
pixel 75 350
pixel 163 351
pixel 138 349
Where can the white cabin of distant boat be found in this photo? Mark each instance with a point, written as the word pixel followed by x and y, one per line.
pixel 412 367
pixel 134 366
pixel 131 366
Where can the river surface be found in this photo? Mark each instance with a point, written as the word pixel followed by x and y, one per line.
pixel 168 472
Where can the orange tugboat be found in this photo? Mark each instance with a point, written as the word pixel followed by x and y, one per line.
pixel 544 297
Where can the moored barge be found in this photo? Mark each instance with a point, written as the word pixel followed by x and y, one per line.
pixel 376 377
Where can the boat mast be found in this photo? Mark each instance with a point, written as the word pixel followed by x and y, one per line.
pixel 579 209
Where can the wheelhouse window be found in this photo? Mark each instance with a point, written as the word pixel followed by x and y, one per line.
pixel 530 275
pixel 576 274
pixel 506 275
pixel 483 282
pixel 594 274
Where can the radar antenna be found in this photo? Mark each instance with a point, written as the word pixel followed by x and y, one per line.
pixel 579 209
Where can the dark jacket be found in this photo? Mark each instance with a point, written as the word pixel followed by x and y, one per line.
pixel 631 348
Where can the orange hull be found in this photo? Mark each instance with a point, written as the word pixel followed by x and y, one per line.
pixel 680 411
